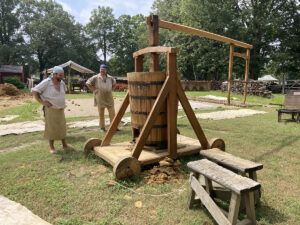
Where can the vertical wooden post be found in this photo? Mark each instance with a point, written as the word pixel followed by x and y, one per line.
pixel 172 105
pixel 69 79
pixel 246 74
pixel 138 62
pixel 153 41
pixel 230 72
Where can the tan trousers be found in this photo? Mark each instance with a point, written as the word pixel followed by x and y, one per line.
pixel 111 113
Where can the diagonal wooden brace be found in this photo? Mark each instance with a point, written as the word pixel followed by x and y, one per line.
pixel 114 125
pixel 191 116
pixel 151 119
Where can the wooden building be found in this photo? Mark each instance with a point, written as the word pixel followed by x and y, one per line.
pixel 11 71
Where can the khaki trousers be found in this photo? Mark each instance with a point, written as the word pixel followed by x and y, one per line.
pixel 111 113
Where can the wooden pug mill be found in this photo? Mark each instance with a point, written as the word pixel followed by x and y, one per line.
pixel 153 98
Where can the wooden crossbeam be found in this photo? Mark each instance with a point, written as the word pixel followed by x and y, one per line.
pixel 114 125
pixel 198 32
pixel 151 119
pixel 156 49
pixel 240 55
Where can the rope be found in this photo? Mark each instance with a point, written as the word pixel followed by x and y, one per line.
pixel 181 189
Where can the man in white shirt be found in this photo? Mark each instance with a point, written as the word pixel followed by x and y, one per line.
pixel 102 85
pixel 51 94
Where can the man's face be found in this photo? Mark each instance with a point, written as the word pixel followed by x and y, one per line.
pixel 103 71
pixel 58 76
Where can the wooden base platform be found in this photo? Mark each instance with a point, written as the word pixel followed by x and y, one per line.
pixel 114 152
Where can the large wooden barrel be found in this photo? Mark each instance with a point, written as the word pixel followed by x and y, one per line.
pixel 143 89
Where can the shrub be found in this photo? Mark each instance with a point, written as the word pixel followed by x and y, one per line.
pixel 15 81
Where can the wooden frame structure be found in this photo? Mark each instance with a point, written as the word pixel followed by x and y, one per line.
pixel 127 163
pixel 154 24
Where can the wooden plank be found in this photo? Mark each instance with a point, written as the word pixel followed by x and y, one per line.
pixel 240 55
pixel 114 152
pixel 114 125
pixel 138 61
pixel 201 33
pixel 222 176
pixel 150 119
pixel 191 198
pixel 250 210
pixel 231 161
pixel 234 208
pixel 210 205
pixel 156 49
pixel 172 105
pixel 191 116
pixel 230 72
pixel 246 74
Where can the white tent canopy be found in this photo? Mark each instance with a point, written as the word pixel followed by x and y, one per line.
pixel 267 78
pixel 74 66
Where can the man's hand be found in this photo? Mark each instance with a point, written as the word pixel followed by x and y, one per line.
pixel 46 103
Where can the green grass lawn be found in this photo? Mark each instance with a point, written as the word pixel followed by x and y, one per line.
pixel 67 188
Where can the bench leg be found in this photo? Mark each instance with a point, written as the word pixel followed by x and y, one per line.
pixel 250 210
pixel 234 208
pixel 192 195
pixel 279 116
pixel 208 186
pixel 298 117
pixel 257 193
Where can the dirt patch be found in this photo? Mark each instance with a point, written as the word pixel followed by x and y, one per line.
pixel 168 170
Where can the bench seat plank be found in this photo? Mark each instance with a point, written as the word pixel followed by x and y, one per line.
pixel 230 161
pixel 224 177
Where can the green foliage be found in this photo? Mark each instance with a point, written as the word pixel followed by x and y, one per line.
pixel 100 28
pixel 15 81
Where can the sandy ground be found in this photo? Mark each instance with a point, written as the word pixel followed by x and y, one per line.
pixel 85 107
pixel 13 213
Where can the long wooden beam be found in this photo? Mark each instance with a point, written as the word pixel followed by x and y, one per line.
pixel 198 32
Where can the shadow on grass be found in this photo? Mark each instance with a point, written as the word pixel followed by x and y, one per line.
pixel 268 214
pixel 285 142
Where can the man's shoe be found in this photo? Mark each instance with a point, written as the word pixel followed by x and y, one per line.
pixel 102 129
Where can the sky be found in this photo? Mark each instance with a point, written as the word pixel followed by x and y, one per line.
pixel 81 9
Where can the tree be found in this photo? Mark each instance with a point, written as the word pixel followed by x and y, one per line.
pixel 101 29
pixel 10 37
pixel 52 37
pixel 129 36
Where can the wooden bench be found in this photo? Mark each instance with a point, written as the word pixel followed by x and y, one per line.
pixel 291 106
pixel 234 163
pixel 238 165
pixel 238 185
